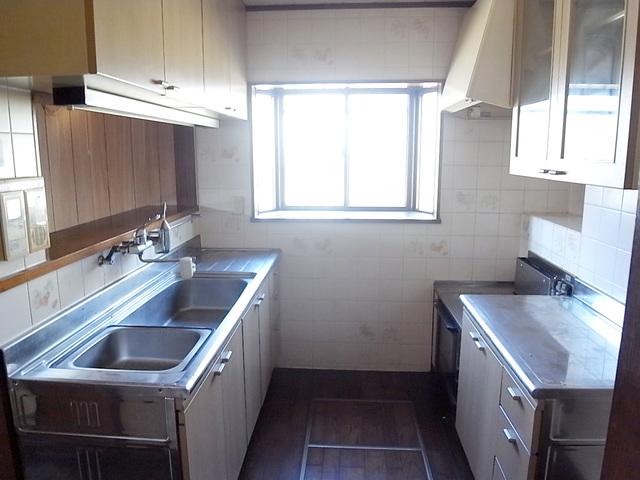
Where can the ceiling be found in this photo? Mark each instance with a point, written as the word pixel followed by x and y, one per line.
pixel 268 3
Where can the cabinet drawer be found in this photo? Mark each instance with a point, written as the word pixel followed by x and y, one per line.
pixel 520 410
pixel 511 455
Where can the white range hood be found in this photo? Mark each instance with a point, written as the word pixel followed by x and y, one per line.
pixel 480 71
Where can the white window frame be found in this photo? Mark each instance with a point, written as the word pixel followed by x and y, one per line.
pixel 408 212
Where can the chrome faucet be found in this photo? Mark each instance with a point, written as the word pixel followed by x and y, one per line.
pixel 142 240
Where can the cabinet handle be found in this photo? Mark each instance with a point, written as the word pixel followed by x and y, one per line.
pixel 474 336
pixel 172 87
pixel 226 356
pixel 557 172
pixel 543 170
pixel 509 435
pixel 513 393
pixel 479 346
pixel 219 369
pixel 259 300
pixel 161 82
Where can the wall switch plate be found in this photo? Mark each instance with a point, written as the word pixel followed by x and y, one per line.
pixel 14 225
pixel 37 221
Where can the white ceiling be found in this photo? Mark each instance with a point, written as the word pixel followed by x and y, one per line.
pixel 344 2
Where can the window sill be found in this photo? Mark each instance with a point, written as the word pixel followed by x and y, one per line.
pixel 356 216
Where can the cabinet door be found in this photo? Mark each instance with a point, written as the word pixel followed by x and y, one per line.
pixel 233 401
pixel 215 31
pixel 590 88
pixel 533 79
pixel 266 347
pixel 478 399
pixel 237 59
pixel 204 433
pixel 129 43
pixel 182 20
pixel 252 376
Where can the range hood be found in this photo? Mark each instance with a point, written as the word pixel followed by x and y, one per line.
pixel 480 71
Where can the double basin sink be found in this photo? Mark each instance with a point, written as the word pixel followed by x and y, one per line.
pixel 164 333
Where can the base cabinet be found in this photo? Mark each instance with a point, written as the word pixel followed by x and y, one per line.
pixel 233 404
pixel 478 395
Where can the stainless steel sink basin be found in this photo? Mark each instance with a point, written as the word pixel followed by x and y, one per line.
pixel 197 302
pixel 153 349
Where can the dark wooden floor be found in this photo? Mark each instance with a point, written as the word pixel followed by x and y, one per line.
pixel 277 445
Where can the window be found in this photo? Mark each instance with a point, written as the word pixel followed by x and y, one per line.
pixel 354 151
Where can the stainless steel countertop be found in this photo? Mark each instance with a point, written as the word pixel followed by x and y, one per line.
pixel 29 358
pixel 555 345
pixel 449 291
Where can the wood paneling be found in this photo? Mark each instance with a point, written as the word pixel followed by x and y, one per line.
pixel 119 163
pixel 62 181
pixel 99 170
pixel 146 167
pixel 98 165
pixel 167 161
pixel 184 148
pixel 82 166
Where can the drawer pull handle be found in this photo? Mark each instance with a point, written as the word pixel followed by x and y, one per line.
pixel 513 393
pixel 479 346
pixel 219 369
pixel 509 435
pixel 473 335
pixel 226 356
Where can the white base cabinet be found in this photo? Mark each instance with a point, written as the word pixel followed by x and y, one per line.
pixel 478 396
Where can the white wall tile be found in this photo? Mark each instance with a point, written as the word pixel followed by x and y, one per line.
pixel 71 284
pixel 44 297
pixel 16 312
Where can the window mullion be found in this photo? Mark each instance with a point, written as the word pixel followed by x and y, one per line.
pixel 346 150
pixel 413 148
pixel 278 100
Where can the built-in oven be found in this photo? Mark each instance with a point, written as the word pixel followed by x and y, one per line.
pixel 447 355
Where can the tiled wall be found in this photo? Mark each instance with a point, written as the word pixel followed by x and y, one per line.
pixel 358 295
pixel 597 249
pixel 31 303
pixel 358 44
pixel 17 139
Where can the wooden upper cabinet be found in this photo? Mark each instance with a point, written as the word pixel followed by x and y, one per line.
pixel 183 57
pixel 575 92
pixel 128 41
pixel 183 54
pixel 215 43
pixel 237 59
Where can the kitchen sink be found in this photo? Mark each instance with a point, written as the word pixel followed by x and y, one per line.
pixel 198 302
pixel 154 349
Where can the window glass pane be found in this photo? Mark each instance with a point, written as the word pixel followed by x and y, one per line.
pixel 313 140
pixel 595 69
pixel 429 153
pixel 264 153
pixel 377 150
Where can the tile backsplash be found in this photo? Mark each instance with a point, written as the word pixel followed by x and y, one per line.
pixel 596 247
pixel 31 303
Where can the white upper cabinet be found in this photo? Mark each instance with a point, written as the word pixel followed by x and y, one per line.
pixel 575 102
